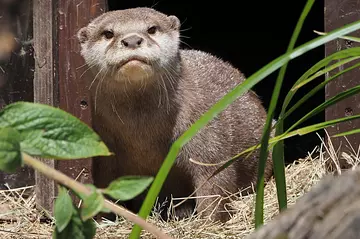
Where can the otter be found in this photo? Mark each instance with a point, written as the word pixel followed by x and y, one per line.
pixel 146 92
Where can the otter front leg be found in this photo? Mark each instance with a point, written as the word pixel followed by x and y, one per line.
pixel 213 196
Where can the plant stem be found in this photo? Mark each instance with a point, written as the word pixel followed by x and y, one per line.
pixel 81 188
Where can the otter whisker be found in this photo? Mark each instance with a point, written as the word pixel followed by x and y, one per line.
pixel 185 43
pixel 154 4
pixel 87 69
pixel 92 82
pixel 170 77
pixel 97 88
pixel 79 67
pixel 166 94
pixel 186 29
pixel 114 108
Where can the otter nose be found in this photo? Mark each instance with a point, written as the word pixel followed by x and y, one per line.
pixel 132 41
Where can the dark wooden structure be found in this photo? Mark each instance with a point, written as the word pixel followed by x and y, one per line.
pixel 54 57
pixel 337 14
pixel 47 46
pixel 57 78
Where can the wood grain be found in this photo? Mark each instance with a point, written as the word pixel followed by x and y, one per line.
pixel 331 210
pixel 337 14
pixel 57 81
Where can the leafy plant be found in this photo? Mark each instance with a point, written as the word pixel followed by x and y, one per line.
pixel 30 129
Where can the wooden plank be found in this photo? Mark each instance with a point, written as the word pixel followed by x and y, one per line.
pixel 16 70
pixel 45 83
pixel 74 75
pixel 58 71
pixel 337 14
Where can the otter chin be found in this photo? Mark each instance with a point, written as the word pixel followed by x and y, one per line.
pixel 134 70
pixel 165 90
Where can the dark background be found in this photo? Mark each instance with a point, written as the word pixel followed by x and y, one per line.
pixel 250 35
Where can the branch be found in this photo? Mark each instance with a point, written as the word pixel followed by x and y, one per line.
pixel 79 187
pixel 330 210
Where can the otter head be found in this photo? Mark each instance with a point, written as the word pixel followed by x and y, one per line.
pixel 130 45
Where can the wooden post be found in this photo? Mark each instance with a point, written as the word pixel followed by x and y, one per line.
pixel 337 14
pixel 58 70
pixel 16 69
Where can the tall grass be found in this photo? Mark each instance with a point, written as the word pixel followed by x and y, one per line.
pixel 276 142
pixel 278 151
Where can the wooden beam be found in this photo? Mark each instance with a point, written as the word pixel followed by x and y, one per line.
pixel 73 84
pixel 337 14
pixel 16 70
pixel 58 75
pixel 45 83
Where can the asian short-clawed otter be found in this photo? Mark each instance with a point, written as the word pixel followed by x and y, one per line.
pixel 146 92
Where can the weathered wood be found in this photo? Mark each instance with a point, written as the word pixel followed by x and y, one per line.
pixel 331 210
pixel 58 71
pixel 73 75
pixel 337 14
pixel 45 83
pixel 16 70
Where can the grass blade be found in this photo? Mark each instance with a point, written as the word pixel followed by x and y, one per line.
pixel 327 103
pixel 354 39
pixel 221 105
pixel 316 127
pixel 350 132
pixel 316 89
pixel 351 52
pixel 326 70
pixel 278 159
pixel 297 132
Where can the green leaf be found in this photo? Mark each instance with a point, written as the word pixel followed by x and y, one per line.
pixel 350 132
pixel 316 127
pixel 63 209
pixel 323 72
pixel 76 228
pixel 327 103
pixel 127 187
pixel 286 135
pixel 105 210
pixel 89 229
pixel 221 105
pixel 50 132
pixel 92 205
pixel 350 38
pixel 10 154
pixel 278 160
pixel 82 195
pixel 351 52
pixel 316 89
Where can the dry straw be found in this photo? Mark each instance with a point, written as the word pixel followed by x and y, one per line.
pixel 20 219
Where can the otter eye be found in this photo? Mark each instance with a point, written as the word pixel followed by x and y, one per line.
pixel 152 30
pixel 108 34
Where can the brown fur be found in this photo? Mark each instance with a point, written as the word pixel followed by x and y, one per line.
pixel 139 120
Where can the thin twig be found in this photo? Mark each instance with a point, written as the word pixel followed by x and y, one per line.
pixel 79 187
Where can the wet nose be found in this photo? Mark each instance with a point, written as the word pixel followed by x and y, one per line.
pixel 132 41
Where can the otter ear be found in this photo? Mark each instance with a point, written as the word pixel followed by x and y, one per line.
pixel 82 35
pixel 175 22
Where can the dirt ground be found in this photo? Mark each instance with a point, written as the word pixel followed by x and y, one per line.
pixel 20 219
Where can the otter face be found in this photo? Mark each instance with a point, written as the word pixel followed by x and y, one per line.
pixel 132 44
